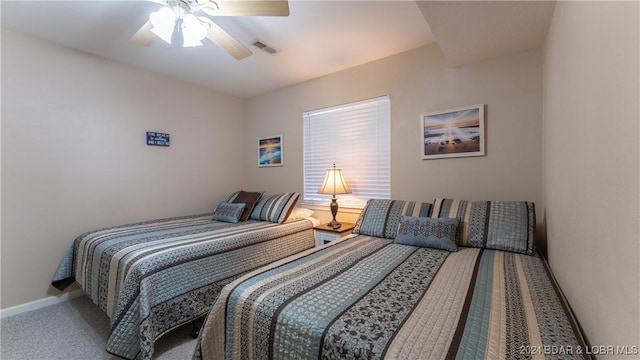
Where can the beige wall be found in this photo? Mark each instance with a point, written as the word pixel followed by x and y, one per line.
pixel 420 81
pixel 73 153
pixel 591 165
pixel 74 156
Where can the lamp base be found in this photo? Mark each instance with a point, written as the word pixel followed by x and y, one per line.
pixel 334 224
pixel 334 211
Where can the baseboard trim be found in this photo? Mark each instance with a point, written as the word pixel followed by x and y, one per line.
pixel 37 304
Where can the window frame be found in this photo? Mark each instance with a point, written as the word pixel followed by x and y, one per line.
pixel 357 113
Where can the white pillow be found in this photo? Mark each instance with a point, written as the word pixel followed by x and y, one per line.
pixel 299 213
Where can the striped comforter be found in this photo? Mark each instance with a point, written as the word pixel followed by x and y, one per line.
pixel 154 276
pixel 367 297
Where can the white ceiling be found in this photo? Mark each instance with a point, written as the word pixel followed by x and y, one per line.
pixel 471 31
pixel 317 38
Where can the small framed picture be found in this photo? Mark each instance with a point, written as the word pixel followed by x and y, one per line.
pixel 270 150
pixel 455 132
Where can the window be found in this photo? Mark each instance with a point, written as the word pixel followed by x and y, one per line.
pixel 356 137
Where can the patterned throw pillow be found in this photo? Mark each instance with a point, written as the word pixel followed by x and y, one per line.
pixel 275 208
pixel 228 212
pixel 428 232
pixel 380 217
pixel 499 225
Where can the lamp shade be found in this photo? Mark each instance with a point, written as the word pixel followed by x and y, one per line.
pixel 192 31
pixel 163 22
pixel 176 25
pixel 334 183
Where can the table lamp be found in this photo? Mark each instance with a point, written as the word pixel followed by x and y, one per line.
pixel 333 184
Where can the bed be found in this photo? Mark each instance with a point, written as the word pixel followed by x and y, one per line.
pixel 153 276
pixel 464 283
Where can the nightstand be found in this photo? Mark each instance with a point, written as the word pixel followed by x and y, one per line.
pixel 325 233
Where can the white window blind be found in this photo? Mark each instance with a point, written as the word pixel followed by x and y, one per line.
pixel 356 137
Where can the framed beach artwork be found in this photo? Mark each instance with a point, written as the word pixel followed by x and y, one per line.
pixel 455 132
pixel 270 151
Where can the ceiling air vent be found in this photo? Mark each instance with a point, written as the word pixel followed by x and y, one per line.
pixel 264 47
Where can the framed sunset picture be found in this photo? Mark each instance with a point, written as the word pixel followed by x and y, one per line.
pixel 270 151
pixel 455 132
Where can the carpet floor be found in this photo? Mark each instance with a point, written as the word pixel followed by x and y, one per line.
pixel 76 329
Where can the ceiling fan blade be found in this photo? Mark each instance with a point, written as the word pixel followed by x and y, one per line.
pixel 247 8
pixel 144 36
pixel 222 38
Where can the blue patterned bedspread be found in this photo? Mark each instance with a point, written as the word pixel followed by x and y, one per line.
pixel 368 298
pixel 154 276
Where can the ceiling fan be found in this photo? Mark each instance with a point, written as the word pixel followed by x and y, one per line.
pixel 176 21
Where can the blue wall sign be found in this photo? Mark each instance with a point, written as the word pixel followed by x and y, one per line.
pixel 158 139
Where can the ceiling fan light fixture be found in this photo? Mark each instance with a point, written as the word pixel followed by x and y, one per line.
pixel 192 31
pixel 176 25
pixel 163 22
